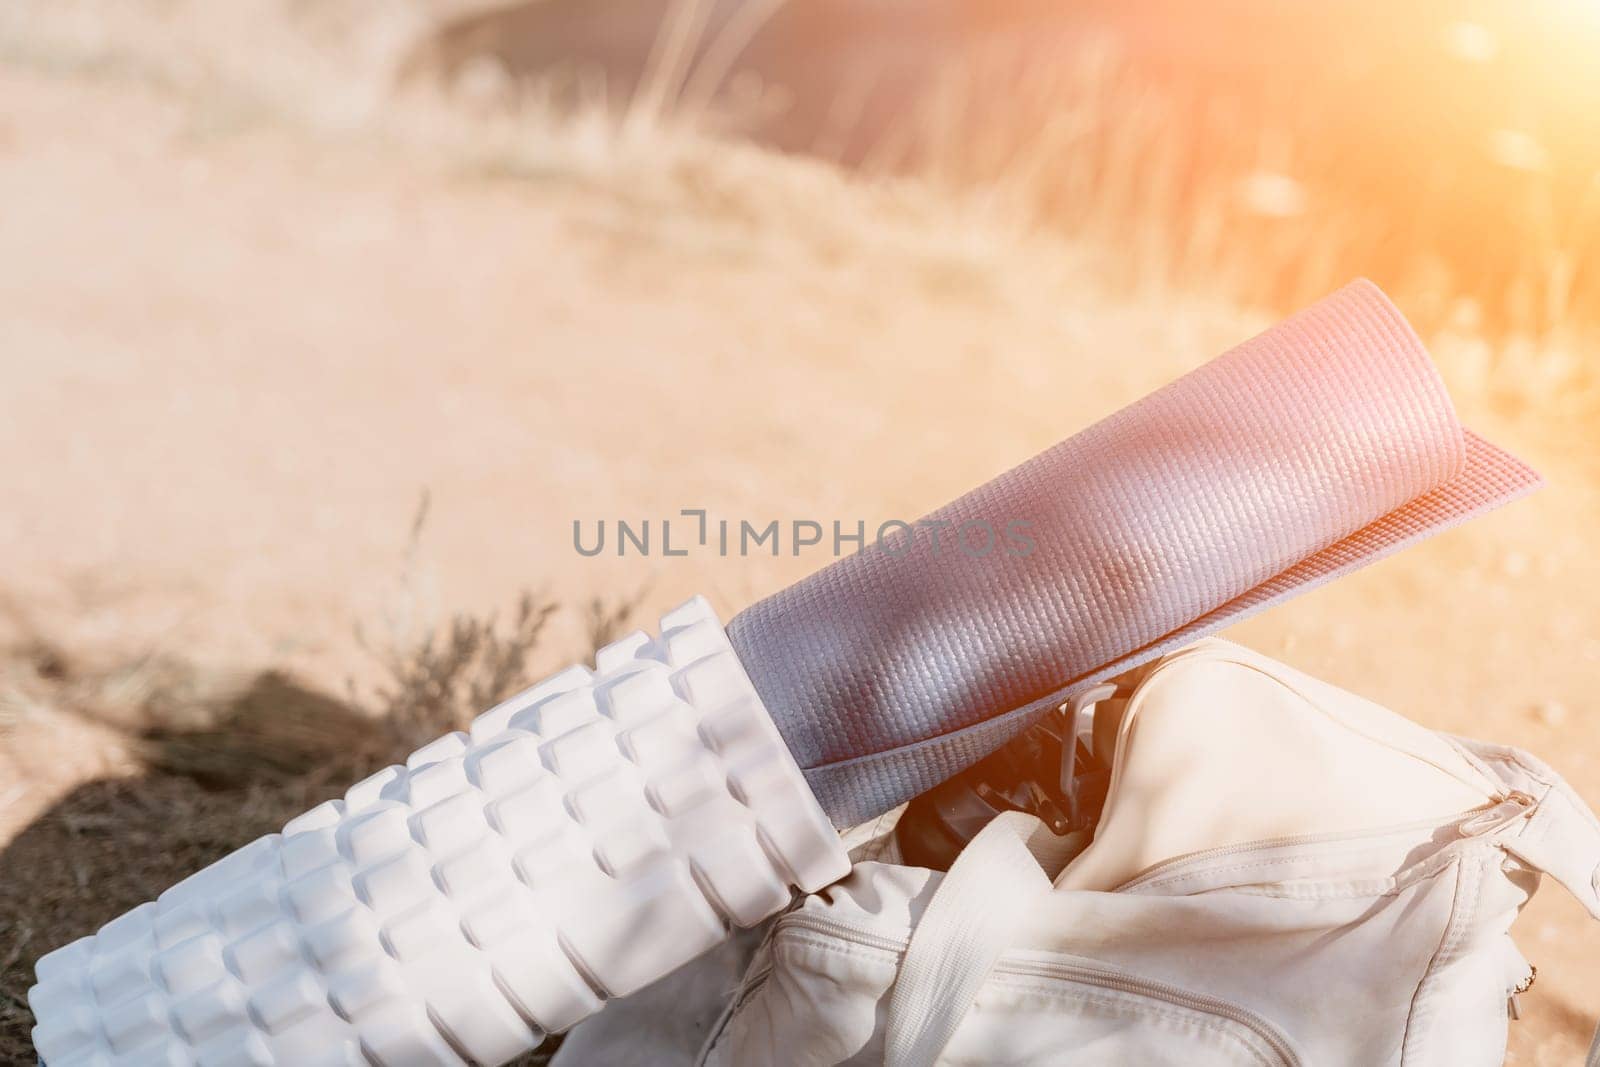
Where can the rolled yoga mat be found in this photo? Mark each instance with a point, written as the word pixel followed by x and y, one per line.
pixel 607 825
pixel 1319 446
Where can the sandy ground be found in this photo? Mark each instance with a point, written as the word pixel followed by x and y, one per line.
pixel 234 355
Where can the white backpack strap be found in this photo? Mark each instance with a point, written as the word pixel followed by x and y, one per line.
pixel 976 914
pixel 1562 839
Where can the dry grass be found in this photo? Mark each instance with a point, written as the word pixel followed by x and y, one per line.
pixel 471 664
pixel 606 618
pixel 1482 234
pixel 1487 234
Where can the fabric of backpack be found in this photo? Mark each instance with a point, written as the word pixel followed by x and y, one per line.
pixel 1283 873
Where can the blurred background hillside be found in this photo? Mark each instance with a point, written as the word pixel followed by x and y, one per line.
pixel 320 324
pixel 1264 151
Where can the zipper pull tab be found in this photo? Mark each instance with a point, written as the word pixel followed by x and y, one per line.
pixel 1515 805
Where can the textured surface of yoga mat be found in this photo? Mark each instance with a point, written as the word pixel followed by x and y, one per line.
pixel 1320 445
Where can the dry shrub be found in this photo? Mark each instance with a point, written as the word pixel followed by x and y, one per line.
pixel 605 618
pixel 444 681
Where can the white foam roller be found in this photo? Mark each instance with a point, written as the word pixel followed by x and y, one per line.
pixel 579 841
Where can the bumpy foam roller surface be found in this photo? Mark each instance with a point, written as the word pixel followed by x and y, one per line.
pixel 586 837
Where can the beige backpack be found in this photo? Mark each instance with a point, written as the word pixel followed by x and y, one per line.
pixel 1283 873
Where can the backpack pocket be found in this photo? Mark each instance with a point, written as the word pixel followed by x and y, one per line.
pixel 823 999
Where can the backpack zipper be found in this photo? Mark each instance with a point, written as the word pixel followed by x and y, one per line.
pixel 1496 815
pixel 1079 973
pixel 1505 811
